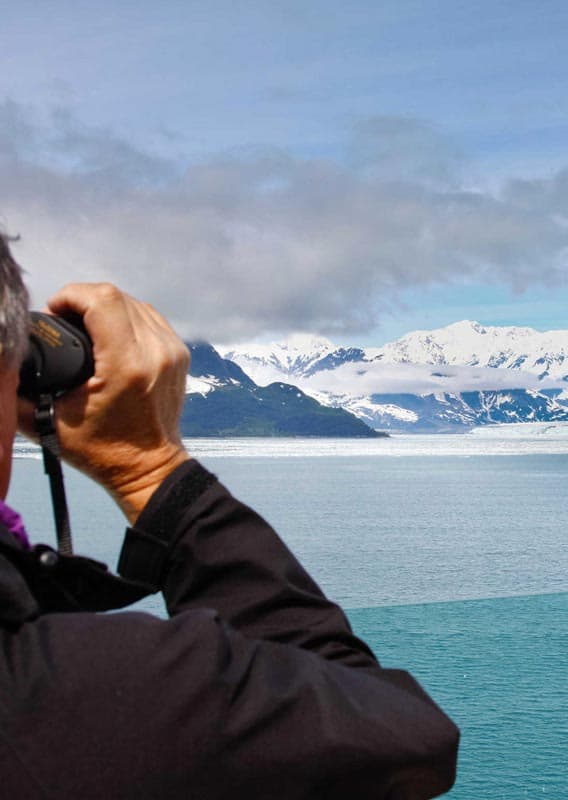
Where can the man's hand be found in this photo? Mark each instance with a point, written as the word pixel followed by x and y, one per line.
pixel 121 426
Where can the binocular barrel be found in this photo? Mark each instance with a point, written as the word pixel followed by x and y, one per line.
pixel 59 358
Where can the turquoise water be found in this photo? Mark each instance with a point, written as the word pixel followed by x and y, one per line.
pixel 498 667
pixel 453 567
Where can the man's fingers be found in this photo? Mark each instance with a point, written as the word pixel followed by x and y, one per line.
pixel 122 426
pixel 155 336
pixel 103 308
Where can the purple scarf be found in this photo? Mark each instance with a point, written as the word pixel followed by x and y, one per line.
pixel 11 520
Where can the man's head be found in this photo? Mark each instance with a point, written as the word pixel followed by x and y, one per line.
pixel 13 343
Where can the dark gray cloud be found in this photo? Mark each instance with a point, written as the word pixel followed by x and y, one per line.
pixel 248 242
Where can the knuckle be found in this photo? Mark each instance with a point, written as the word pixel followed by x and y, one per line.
pixel 108 292
pixel 164 361
pixel 135 378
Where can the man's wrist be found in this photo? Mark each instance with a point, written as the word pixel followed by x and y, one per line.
pixel 148 543
pixel 133 494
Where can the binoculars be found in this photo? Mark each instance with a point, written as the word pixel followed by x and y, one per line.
pixel 59 358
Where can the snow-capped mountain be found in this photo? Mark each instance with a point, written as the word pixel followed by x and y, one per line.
pixel 221 400
pixel 544 354
pixel 451 412
pixel 459 376
pixel 292 358
pixel 466 343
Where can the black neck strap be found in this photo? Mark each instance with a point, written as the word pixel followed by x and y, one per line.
pixel 44 422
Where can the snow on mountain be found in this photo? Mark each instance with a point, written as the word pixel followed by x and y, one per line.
pixel 375 413
pixel 462 344
pixel 459 376
pixel 544 354
pixel 200 386
pixel 448 412
pixel 268 363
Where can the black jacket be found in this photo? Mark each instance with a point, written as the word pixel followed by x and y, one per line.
pixel 255 687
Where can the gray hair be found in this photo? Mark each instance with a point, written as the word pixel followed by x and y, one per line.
pixel 14 320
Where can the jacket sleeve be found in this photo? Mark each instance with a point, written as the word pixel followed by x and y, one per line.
pixel 305 699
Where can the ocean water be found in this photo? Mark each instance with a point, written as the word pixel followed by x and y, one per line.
pixel 499 668
pixel 449 553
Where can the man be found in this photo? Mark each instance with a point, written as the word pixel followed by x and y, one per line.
pixel 255 687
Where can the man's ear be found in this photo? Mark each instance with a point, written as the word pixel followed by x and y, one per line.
pixel 8 422
pixel 26 418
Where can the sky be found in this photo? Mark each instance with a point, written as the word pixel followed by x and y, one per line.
pixel 352 169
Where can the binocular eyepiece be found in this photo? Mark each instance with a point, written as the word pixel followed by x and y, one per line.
pixel 59 358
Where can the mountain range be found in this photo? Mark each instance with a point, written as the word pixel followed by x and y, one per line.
pixel 448 379
pixel 465 343
pixel 222 400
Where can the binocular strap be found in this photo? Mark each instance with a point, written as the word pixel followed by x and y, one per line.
pixel 44 419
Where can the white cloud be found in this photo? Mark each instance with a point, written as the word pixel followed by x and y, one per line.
pixel 249 242
pixel 373 378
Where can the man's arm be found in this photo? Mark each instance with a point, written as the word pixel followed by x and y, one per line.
pixel 203 548
pixel 271 675
pixel 128 705
pixel 224 556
